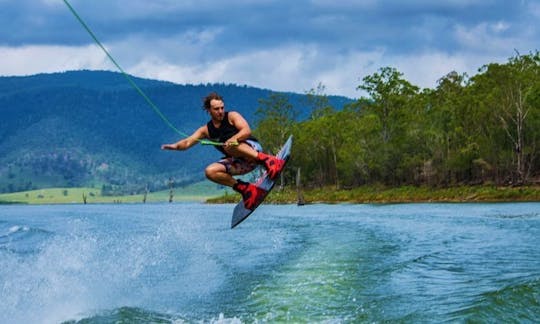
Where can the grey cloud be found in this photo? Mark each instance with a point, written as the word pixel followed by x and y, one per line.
pixel 398 26
pixel 198 32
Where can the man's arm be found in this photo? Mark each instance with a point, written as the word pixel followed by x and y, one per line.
pixel 244 131
pixel 189 141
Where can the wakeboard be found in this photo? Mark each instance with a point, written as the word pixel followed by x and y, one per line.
pixel 264 182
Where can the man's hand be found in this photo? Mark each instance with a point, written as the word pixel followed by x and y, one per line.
pixel 230 142
pixel 169 147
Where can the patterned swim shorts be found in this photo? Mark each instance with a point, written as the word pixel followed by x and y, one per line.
pixel 239 166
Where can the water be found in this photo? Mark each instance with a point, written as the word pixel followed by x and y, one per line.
pixel 180 263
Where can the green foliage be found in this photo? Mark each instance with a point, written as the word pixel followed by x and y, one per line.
pixel 484 129
pixel 403 194
pixel 275 118
pixel 90 128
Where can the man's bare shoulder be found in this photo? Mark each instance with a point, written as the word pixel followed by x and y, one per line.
pixel 201 132
pixel 235 115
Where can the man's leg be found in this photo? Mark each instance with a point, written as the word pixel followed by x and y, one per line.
pixel 219 173
pixel 242 150
pixel 272 164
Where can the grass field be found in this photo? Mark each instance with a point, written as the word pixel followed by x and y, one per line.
pixel 197 192
pixel 207 191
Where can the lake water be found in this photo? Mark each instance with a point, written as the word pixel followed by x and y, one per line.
pixel 342 263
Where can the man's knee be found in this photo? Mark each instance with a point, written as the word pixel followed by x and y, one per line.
pixel 213 170
pixel 209 172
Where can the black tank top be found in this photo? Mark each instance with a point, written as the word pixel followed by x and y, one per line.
pixel 223 133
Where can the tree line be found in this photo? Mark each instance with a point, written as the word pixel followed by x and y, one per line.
pixel 483 129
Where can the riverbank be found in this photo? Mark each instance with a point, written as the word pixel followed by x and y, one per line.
pixel 200 191
pixel 374 194
pixel 366 194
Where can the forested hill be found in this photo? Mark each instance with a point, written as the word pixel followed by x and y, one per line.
pixel 83 128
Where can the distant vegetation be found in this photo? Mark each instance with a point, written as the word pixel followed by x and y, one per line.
pixel 382 194
pixel 475 130
pixel 91 129
pixel 196 192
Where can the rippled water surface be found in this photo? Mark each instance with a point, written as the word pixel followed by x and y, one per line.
pixel 317 263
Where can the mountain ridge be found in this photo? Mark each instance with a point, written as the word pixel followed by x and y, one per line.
pixel 81 128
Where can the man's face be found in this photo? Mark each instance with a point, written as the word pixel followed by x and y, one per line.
pixel 217 109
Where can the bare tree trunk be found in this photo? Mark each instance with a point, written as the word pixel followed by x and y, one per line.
pixel 300 194
pixel 281 181
pixel 171 186
pixel 145 194
pixel 334 156
pixel 517 118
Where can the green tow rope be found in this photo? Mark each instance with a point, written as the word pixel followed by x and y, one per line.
pixel 133 84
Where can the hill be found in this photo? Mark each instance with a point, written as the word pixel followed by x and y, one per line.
pixel 91 128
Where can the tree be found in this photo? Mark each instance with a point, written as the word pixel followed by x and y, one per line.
pixel 510 91
pixel 318 102
pixel 389 94
pixel 358 154
pixel 451 120
pixel 275 120
pixel 390 99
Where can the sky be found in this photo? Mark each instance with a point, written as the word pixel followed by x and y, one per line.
pixel 288 45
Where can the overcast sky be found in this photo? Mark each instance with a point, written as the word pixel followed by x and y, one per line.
pixel 289 45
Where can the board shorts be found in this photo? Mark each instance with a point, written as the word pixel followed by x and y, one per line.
pixel 239 166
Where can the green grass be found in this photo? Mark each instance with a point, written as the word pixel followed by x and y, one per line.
pixel 197 192
pixel 379 194
pixel 207 191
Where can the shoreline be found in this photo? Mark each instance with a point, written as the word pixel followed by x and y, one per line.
pixel 406 194
pixel 329 195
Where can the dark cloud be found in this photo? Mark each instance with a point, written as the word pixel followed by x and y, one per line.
pixel 313 39
pixel 396 25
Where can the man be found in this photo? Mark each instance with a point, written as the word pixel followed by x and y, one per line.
pixel 242 151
